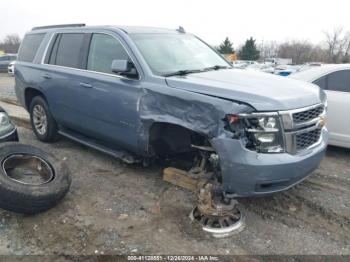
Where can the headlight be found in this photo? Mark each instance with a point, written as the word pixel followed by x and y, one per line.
pixel 5 124
pixel 265 137
pixel 267 122
pixel 262 130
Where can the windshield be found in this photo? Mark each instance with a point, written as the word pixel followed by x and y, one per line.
pixel 170 53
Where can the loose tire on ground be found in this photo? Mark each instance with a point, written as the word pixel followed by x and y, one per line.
pixel 30 198
pixel 50 133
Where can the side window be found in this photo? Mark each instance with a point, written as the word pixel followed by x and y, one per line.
pixel 29 47
pixel 103 50
pixel 321 82
pixel 68 50
pixel 339 81
pixel 4 58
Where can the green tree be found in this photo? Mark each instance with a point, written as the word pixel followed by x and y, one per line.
pixel 226 47
pixel 249 51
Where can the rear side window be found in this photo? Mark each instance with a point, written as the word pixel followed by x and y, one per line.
pixel 68 50
pixel 321 82
pixel 103 50
pixel 29 47
pixel 339 81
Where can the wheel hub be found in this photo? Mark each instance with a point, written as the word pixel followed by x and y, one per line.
pixel 218 216
pixel 40 119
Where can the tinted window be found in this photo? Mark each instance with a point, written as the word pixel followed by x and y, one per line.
pixel 103 50
pixel 321 82
pixel 29 47
pixel 69 50
pixel 339 81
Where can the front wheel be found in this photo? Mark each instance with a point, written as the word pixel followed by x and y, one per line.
pixel 43 124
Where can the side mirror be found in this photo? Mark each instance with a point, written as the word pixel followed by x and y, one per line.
pixel 124 68
pixel 120 66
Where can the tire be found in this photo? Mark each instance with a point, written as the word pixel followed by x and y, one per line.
pixel 50 134
pixel 31 198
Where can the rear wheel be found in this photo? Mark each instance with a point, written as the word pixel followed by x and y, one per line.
pixel 43 124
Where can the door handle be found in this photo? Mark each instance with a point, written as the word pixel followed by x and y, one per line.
pixel 47 76
pixel 86 85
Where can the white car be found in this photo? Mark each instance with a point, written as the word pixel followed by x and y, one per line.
pixel 335 80
pixel 11 68
pixel 261 68
pixel 243 63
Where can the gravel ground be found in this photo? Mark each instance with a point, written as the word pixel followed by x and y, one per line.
pixel 114 208
pixel 7 90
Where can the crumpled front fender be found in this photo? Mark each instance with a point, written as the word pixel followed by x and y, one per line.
pixel 200 113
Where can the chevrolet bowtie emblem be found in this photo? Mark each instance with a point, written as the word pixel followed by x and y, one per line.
pixel 322 122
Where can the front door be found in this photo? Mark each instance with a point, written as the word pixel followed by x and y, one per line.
pixel 338 93
pixel 111 99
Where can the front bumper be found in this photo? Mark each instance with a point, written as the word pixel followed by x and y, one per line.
pixel 10 137
pixel 248 173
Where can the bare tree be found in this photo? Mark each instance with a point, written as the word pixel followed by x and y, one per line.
pixel 10 43
pixel 300 51
pixel 346 46
pixel 268 49
pixel 336 43
pixel 334 49
pixel 318 54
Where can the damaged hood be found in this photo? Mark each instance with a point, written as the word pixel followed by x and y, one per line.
pixel 264 92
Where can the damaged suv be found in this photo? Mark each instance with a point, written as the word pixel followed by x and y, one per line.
pixel 144 93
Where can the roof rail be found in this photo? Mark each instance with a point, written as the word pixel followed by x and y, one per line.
pixel 57 26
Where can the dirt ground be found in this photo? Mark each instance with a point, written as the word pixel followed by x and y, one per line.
pixel 6 86
pixel 114 208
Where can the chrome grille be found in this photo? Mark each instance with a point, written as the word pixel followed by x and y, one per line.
pixel 308 114
pixel 304 140
pixel 303 127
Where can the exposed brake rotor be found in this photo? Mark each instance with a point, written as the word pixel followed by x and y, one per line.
pixel 218 216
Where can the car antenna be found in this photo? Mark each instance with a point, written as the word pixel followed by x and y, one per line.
pixel 181 30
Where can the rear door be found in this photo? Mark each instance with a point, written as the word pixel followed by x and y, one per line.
pixel 61 79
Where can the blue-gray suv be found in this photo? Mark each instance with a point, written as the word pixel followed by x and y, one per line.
pixel 146 93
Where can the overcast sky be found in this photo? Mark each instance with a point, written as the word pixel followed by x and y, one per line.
pixel 211 20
